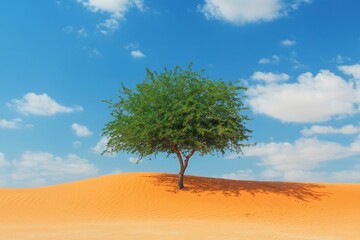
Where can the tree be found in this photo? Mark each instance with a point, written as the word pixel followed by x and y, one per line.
pixel 180 112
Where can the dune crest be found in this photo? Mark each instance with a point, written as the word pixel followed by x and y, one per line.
pixel 148 206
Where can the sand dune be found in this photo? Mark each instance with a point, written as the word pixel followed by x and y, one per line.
pixel 148 206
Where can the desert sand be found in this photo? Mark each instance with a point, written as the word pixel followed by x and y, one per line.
pixel 148 206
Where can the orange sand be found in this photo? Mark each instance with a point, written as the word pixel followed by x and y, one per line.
pixel 148 206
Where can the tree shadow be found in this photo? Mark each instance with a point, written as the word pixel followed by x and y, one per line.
pixel 204 186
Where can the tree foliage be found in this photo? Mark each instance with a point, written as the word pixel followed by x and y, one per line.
pixel 178 111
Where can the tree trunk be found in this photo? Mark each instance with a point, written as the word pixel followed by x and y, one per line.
pixel 181 179
pixel 183 164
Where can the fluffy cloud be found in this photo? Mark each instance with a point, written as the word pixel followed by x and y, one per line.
pixel 303 154
pixel 43 168
pixel 81 130
pixel 241 12
pixel 10 124
pixel 316 129
pixel 41 104
pixel 288 43
pixel 134 50
pixel 100 146
pixel 353 70
pixel 301 161
pixel 272 59
pixel 310 99
pixel 137 54
pixel 345 176
pixel 108 26
pixel 116 8
pixel 270 77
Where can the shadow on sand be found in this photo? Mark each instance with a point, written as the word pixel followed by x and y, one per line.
pixel 204 185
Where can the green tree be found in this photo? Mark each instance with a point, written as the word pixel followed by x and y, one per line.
pixel 180 112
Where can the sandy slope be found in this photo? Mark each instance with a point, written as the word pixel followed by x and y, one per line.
pixel 148 206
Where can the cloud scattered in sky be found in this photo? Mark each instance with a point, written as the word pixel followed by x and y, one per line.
pixel 298 160
pixel 137 54
pixel 42 168
pixel 81 130
pixel 270 77
pixel 353 70
pixel 248 11
pixel 303 154
pixel 41 104
pixel 311 99
pixel 10 124
pixel 108 26
pixel 273 59
pixel 115 8
pixel 100 146
pixel 316 129
pixel 288 43
pixel 134 49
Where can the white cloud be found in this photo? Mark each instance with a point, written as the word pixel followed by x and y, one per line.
pixel 297 3
pixel 137 54
pixel 273 59
pixel 345 176
pixel 134 50
pixel 310 99
pixel 288 43
pixel 116 8
pixel 3 162
pixel 270 77
pixel 108 26
pixel 353 70
pixel 240 175
pixel 42 168
pixel 302 160
pixel 303 154
pixel 100 147
pixel 242 12
pixel 134 160
pixel 10 124
pixel 41 104
pixel 81 130
pixel 316 129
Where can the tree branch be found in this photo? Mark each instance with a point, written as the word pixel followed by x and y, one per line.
pixel 188 157
pixel 176 150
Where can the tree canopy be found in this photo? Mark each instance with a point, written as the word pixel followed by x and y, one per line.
pixel 178 111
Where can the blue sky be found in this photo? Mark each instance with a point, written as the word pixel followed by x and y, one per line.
pixel 299 59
